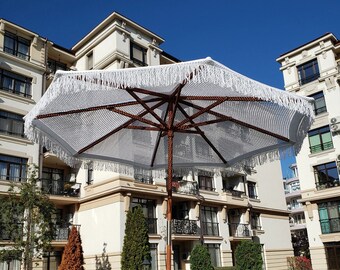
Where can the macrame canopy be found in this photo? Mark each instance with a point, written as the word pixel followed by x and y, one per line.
pixel 197 113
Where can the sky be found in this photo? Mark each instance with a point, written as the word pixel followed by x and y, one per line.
pixel 247 36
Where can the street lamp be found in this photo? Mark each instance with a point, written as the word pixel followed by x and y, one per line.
pixel 146 264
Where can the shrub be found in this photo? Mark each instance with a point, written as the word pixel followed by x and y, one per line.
pixel 248 256
pixel 299 263
pixel 200 258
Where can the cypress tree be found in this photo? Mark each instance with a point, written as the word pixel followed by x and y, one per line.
pixel 136 245
pixel 73 253
pixel 200 258
pixel 248 256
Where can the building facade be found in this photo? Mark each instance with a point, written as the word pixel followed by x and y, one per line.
pixel 297 219
pixel 312 70
pixel 219 207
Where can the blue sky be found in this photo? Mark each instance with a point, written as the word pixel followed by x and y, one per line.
pixel 246 36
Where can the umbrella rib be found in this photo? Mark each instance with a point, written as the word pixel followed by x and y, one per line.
pixel 96 108
pixel 231 119
pixel 146 92
pixel 203 136
pixel 143 128
pixel 152 112
pixel 203 110
pixel 221 97
pixel 126 124
pixel 205 123
pixel 137 117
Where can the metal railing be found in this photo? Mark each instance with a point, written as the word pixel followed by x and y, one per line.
pixel 17 53
pixel 321 147
pixel 184 226
pixel 62 231
pixel 320 110
pixel 13 178
pixel 327 184
pixel 239 230
pixel 234 192
pixel 60 187
pixel 331 225
pixel 185 187
pixel 147 179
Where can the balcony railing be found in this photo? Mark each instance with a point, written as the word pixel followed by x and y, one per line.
pixel 62 231
pixel 147 179
pixel 331 225
pixel 10 234
pixel 210 228
pixel 185 187
pixel 12 178
pixel 234 192
pixel 60 187
pixel 327 184
pixel 321 147
pixel 320 110
pixel 310 78
pixel 184 226
pixel 152 225
pixel 239 230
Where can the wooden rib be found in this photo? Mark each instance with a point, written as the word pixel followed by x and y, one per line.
pixel 229 118
pixel 146 92
pixel 136 117
pixel 96 108
pixel 220 97
pixel 144 128
pixel 146 107
pixel 200 112
pixel 127 123
pixel 205 123
pixel 204 137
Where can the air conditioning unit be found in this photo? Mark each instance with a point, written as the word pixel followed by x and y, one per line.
pixel 335 124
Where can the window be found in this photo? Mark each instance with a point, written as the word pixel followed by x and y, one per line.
pixel 54 66
pixel 206 182
pixel 209 220
pixel 15 83
pixel 252 190
pixel 320 139
pixel 11 124
pixel 12 168
pixel 153 251
pixel 17 46
pixel 13 264
pixel 255 222
pixel 148 207
pixel 51 260
pixel 308 72
pixel 320 104
pixel 329 215
pixel 138 54
pixel 52 181
pixel 215 255
pixel 326 175
pixel 333 255
pixel 90 60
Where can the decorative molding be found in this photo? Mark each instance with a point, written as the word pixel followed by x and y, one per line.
pixel 304 53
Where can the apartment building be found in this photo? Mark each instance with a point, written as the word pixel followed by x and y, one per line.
pixel 220 207
pixel 312 69
pixel 297 219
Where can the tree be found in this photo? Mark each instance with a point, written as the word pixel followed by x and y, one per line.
pixel 136 245
pixel 73 253
pixel 248 256
pixel 200 258
pixel 25 218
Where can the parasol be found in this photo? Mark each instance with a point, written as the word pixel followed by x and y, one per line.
pixel 196 113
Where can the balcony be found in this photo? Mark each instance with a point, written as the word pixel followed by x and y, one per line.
pixel 62 231
pixel 185 187
pixel 327 184
pixel 152 225
pixel 10 234
pixel 331 225
pixel 234 192
pixel 239 230
pixel 184 226
pixel 143 178
pixel 321 147
pixel 60 187
pixel 12 178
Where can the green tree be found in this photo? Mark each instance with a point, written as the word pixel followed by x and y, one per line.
pixel 200 258
pixel 136 245
pixel 25 217
pixel 73 253
pixel 248 256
